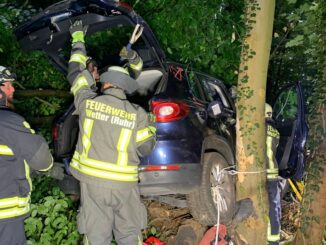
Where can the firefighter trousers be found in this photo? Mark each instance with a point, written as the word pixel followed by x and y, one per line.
pixel 274 197
pixel 12 232
pixel 105 210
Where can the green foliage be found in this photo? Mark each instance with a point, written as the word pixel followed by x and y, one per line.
pixel 33 68
pixel 205 34
pixel 53 215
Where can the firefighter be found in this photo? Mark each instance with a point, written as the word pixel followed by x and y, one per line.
pixel 20 149
pixel 113 135
pixel 273 186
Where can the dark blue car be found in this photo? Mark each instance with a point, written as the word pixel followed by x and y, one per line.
pixel 195 112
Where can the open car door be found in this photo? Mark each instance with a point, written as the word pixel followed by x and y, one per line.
pixel 289 116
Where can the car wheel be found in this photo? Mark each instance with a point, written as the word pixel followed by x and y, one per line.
pixel 217 192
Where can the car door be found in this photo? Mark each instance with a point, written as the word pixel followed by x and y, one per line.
pixel 48 31
pixel 289 116
pixel 215 90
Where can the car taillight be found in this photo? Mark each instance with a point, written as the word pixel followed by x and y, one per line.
pixel 54 133
pixel 169 111
pixel 158 168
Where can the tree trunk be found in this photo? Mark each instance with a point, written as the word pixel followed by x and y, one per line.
pixel 251 120
pixel 313 209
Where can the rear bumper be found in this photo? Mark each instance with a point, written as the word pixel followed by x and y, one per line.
pixel 163 182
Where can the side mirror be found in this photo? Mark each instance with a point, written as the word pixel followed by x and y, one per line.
pixel 215 109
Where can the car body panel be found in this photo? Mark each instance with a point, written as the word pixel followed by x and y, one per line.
pixel 181 142
pixel 289 115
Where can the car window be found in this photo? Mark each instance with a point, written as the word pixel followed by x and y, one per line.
pixel 212 91
pixel 286 105
pixel 195 87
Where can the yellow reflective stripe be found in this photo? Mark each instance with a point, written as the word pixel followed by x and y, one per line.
pixel 48 168
pixel 122 146
pixel 86 139
pixel 5 150
pixel 92 163
pixel 26 125
pixel 137 66
pixel 80 58
pixel 152 129
pixel 14 212
pixel 102 174
pixel 81 82
pixel 272 237
pixel 143 134
pixel 269 141
pixel 28 177
pixel 272 132
pixel 14 202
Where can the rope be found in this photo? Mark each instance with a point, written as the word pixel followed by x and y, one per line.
pixel 220 202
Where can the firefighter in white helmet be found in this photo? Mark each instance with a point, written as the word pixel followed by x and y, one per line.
pixel 273 186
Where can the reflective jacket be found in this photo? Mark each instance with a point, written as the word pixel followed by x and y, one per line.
pixel 113 133
pixel 20 148
pixel 272 140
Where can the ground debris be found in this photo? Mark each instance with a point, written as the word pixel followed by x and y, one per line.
pixel 290 219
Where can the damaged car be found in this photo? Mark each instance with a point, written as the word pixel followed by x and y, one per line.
pixel 195 112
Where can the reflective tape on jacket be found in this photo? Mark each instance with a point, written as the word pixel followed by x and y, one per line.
pixel 272 237
pixel 269 141
pixel 5 150
pixel 144 134
pixel 123 143
pixel 14 206
pixel 104 170
pixel 78 84
pixel 80 58
pixel 137 66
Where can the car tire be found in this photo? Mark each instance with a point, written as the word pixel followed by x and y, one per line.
pixel 201 202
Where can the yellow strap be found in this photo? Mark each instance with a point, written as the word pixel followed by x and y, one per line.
pixel 5 150
pixel 297 193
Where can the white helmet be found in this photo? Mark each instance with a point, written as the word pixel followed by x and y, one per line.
pixel 6 75
pixel 268 111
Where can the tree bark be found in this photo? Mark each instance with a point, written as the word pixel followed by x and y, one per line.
pixel 313 209
pixel 251 121
pixel 43 93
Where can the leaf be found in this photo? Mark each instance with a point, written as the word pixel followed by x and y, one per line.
pixel 297 41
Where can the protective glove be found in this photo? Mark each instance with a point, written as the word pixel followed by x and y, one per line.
pixel 134 64
pixel 57 171
pixel 129 54
pixel 78 31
